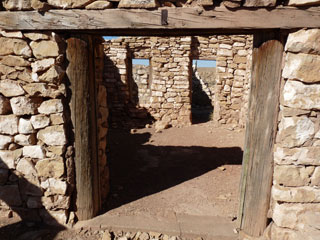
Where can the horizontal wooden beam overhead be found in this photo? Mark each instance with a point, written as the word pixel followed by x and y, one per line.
pixel 130 21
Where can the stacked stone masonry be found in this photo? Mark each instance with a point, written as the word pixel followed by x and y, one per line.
pixel 35 174
pixel 296 183
pixel 164 89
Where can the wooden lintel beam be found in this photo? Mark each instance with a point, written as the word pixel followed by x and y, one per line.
pixel 122 20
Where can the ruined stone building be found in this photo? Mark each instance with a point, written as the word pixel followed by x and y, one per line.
pixel 164 90
pixel 59 81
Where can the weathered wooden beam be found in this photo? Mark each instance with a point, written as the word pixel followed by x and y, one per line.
pixel 257 166
pixel 80 72
pixel 100 21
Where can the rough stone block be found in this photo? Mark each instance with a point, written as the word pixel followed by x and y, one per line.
pixel 305 194
pixel 302 67
pixel 25 126
pixel 51 106
pixel 8 158
pixel 14 46
pixel 8 124
pixel 44 49
pixel 54 186
pixel 40 121
pixel 24 105
pixel 304 41
pixel 297 156
pixel 26 167
pixel 292 176
pixel 99 5
pixel 303 2
pixel 42 65
pixel 10 88
pixel 5 141
pixel 50 167
pixel 138 4
pixel 34 151
pixel 54 135
pixel 295 131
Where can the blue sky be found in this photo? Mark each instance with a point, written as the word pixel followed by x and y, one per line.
pixel 140 62
pixel 204 63
pixel 110 37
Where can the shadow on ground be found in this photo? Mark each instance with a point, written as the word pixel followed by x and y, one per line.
pixel 13 194
pixel 138 169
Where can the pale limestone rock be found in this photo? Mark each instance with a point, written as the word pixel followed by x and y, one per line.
pixel 303 2
pixel 36 151
pixel 56 150
pixel 36 36
pixel 60 216
pixel 302 67
pixel 297 156
pixel 225 52
pixel 5 107
pixel 303 194
pixel 25 126
pixel 40 121
pixel 54 186
pixel 15 34
pixel 8 124
pixel 297 216
pixel 56 202
pixel 42 65
pixel 51 106
pixel 295 131
pixel 53 136
pixel 44 90
pixel 292 176
pixel 69 3
pixel 57 118
pixel 10 195
pixel 44 49
pixel 315 179
pixel 304 41
pixel 14 46
pixel 53 168
pixel 53 75
pixel 301 96
pixel 26 167
pixel 25 140
pixel 6 70
pixel 11 88
pixel 96 5
pixel 9 158
pixel 24 105
pixel 284 233
pixel 138 4
pixel 14 61
pixel 17 4
pixel 5 141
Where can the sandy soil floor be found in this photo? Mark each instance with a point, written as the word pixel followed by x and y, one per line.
pixel 194 170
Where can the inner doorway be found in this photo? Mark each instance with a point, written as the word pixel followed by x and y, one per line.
pixel 183 173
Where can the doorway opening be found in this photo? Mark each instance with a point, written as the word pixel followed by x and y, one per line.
pixel 169 170
pixel 203 89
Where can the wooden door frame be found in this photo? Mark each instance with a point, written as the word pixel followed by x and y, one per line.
pixel 262 159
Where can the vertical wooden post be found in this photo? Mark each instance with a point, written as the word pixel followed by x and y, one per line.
pixel 80 71
pixel 257 166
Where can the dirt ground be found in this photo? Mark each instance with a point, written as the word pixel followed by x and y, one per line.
pixel 194 170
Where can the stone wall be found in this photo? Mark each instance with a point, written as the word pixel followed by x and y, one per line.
pixel 296 183
pixel 36 164
pixel 166 92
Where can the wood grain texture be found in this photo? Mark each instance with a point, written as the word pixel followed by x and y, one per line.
pixel 80 72
pixel 257 166
pixel 220 18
